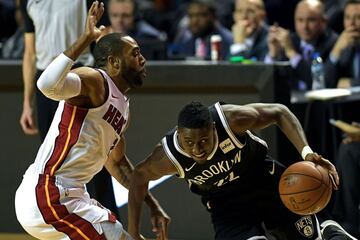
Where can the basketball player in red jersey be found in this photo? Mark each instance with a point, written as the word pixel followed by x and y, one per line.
pixel 214 150
pixel 85 135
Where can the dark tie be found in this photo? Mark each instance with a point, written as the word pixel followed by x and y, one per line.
pixel 307 52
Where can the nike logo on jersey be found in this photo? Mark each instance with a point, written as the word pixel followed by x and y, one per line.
pixel 189 168
pixel 272 171
pixel 226 145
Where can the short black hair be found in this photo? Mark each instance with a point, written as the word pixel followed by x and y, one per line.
pixel 210 4
pixel 108 45
pixel 194 115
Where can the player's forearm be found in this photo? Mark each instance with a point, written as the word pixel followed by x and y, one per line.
pixel 75 50
pixel 121 170
pixel 123 173
pixel 292 128
pixel 28 69
pixel 137 194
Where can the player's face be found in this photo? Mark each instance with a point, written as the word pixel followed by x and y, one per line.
pixel 198 142
pixel 133 64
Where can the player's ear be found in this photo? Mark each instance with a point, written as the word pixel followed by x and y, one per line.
pixel 115 62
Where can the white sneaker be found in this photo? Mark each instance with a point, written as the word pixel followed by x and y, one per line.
pixel 334 229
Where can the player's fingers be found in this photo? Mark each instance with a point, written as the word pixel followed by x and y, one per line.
pixel 100 11
pixel 92 8
pixel 166 230
pixel 334 182
pixel 102 28
pixel 163 230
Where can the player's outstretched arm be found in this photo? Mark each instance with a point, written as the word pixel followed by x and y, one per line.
pixel 258 116
pixel 154 167
pixel 56 82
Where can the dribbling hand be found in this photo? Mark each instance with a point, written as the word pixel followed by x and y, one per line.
pixel 318 159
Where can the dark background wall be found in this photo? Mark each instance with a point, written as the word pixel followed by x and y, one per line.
pixel 154 110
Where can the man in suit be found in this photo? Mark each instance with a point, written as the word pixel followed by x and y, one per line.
pixel 344 58
pixel 194 40
pixel 124 17
pixel 312 35
pixel 249 30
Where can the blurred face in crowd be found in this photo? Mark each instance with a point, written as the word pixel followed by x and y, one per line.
pixel 352 16
pixel 250 11
pixel 310 21
pixel 201 19
pixel 121 14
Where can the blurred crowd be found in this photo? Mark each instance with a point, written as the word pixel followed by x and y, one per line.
pixel 269 31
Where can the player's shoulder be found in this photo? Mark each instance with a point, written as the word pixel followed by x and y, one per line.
pixel 238 113
pixel 89 76
pixel 87 72
pixel 233 108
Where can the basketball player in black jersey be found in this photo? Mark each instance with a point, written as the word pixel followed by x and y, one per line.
pixel 214 150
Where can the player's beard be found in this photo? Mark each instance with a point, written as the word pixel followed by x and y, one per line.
pixel 132 77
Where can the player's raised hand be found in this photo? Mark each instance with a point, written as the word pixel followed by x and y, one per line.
pixel 160 221
pixel 318 159
pixel 95 12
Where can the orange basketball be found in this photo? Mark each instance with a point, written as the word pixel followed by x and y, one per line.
pixel 305 188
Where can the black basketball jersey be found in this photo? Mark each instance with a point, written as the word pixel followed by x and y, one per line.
pixel 235 160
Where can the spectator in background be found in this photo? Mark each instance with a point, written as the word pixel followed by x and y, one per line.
pixel 276 14
pixel 125 18
pixel 347 198
pixel 250 30
pixel 194 40
pixel 13 48
pixel 344 61
pixel 312 35
pixel 334 13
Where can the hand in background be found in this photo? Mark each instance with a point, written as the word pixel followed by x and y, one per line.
pixel 273 42
pixel 346 39
pixel 353 136
pixel 241 30
pixel 27 121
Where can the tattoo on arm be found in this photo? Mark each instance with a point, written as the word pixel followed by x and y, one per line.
pixel 125 169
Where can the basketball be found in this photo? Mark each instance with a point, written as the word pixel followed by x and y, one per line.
pixel 305 188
